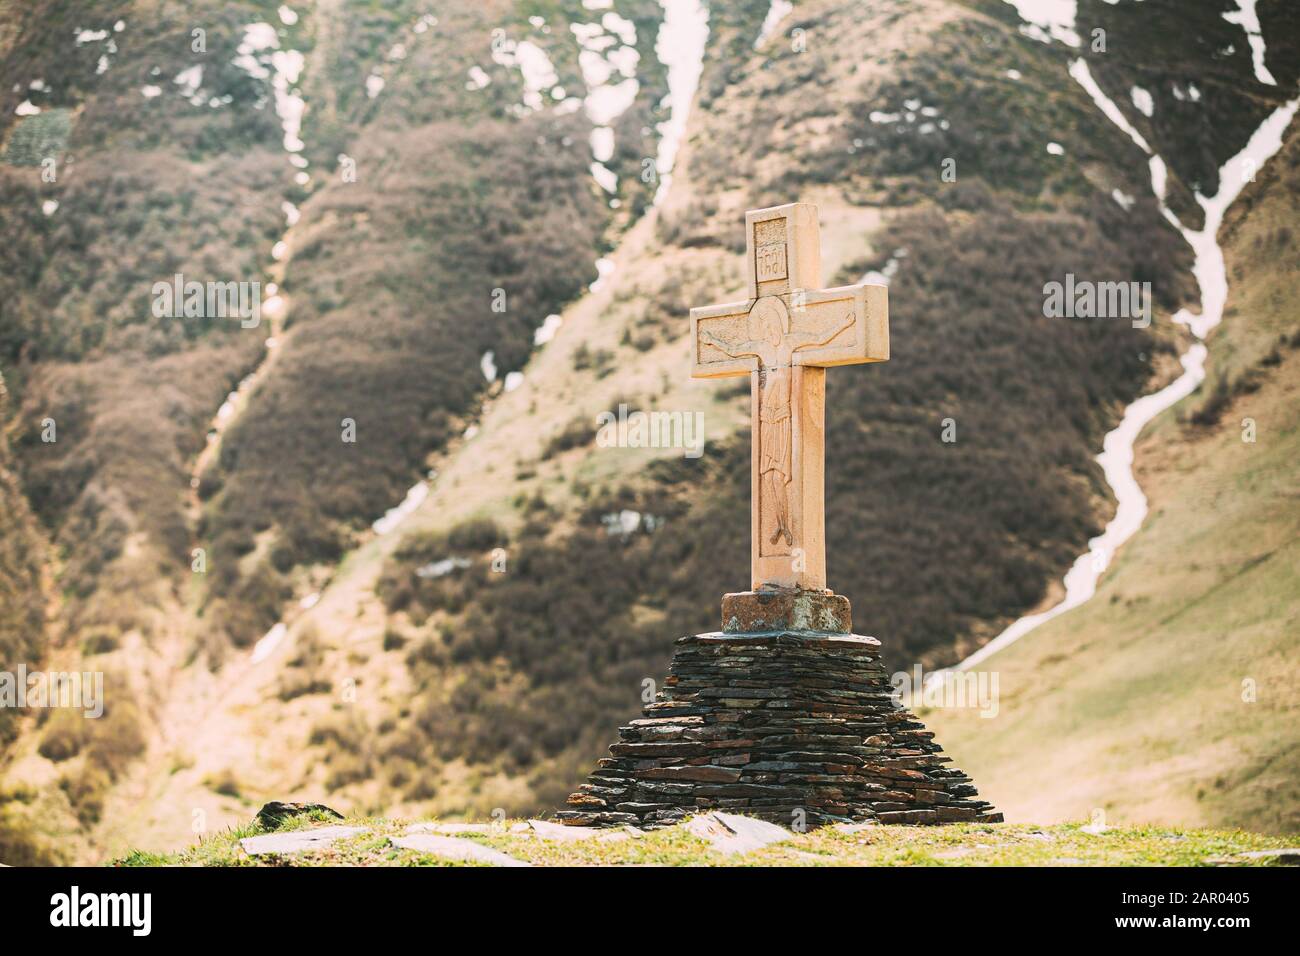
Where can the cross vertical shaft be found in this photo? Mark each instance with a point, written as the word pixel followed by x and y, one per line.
pixel 784 336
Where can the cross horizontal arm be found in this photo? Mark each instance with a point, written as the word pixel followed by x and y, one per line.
pixel 715 324
pixel 841 326
pixel 826 327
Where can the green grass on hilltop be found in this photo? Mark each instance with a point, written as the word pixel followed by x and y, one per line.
pixel 955 845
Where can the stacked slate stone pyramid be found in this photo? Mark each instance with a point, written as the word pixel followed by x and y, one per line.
pixel 784 715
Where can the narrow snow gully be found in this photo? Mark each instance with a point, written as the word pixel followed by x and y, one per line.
pixel 1211 275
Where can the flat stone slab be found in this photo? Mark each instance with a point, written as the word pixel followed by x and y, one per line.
pixel 1287 857
pixel 298 841
pixel 782 637
pixel 572 833
pixel 731 833
pixel 450 829
pixel 561 833
pixel 855 827
pixel 454 848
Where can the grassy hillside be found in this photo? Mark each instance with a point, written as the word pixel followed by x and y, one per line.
pixel 22 616
pixel 1167 696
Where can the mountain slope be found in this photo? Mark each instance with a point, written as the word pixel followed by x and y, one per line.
pixel 934 542
pixel 481 654
pixel 135 148
pixel 189 150
pixel 1167 695
pixel 513 681
pixel 472 215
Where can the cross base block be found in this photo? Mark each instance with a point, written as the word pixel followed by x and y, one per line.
pixel 786 609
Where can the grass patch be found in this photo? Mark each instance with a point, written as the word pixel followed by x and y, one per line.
pixel 956 845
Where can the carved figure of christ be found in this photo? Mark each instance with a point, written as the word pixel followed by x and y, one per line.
pixel 784 336
pixel 773 343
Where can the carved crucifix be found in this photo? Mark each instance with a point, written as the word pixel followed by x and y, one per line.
pixel 785 336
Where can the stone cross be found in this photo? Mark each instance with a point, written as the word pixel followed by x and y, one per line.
pixel 784 336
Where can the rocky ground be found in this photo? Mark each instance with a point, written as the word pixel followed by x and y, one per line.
pixel 716 839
